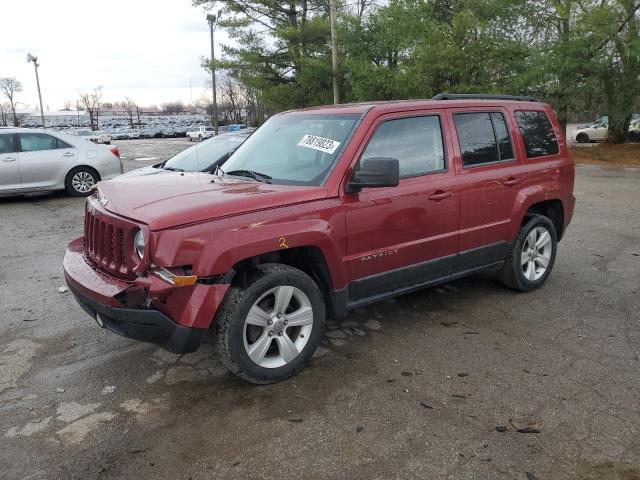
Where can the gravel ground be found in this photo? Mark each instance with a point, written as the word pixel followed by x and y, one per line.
pixel 430 385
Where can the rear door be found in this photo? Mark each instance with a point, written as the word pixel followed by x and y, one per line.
pixel 44 159
pixel 490 171
pixel 9 171
pixel 406 235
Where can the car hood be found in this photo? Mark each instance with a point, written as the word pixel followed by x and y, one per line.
pixel 165 201
pixel 139 172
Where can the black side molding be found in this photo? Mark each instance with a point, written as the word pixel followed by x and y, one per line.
pixel 482 96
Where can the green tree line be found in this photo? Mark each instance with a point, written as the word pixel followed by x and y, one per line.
pixel 579 55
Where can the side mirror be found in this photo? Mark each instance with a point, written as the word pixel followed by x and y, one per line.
pixel 374 172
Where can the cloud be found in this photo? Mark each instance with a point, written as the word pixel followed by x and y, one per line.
pixel 146 49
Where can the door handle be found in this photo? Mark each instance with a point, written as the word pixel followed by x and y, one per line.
pixel 440 195
pixel 67 154
pixel 511 181
pixel 9 159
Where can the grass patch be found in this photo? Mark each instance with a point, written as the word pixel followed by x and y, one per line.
pixel 604 154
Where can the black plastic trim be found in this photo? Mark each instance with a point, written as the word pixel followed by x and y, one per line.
pixel 144 325
pixel 402 277
pixel 371 289
pixel 482 96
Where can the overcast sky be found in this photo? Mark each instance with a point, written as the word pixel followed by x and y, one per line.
pixel 145 49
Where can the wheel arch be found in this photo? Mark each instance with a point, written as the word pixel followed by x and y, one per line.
pixel 552 209
pixel 309 258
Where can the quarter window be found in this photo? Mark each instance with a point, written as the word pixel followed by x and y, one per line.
pixel 7 144
pixel 416 142
pixel 483 138
pixel 35 142
pixel 537 133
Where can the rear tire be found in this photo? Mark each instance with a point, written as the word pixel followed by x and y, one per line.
pixel 80 180
pixel 532 255
pixel 268 330
pixel 582 138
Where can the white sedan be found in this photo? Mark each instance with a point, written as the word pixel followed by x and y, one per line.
pixel 95 137
pixel 42 160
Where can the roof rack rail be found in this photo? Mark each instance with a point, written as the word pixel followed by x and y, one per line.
pixel 482 96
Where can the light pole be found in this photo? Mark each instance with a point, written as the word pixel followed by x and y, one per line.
pixel 213 22
pixel 30 59
pixel 334 52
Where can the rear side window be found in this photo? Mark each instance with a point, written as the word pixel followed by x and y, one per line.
pixel 537 133
pixel 483 138
pixel 416 142
pixel 35 142
pixel 7 144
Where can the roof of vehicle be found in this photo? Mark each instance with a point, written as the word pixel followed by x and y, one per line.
pixel 414 104
pixel 27 130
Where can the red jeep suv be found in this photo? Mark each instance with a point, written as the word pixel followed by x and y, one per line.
pixel 320 211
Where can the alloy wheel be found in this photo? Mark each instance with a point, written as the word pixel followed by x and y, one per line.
pixel 278 326
pixel 82 182
pixel 536 253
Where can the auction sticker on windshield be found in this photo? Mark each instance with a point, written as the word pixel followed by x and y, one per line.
pixel 321 144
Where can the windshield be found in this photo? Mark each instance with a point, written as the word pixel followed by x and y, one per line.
pixel 205 155
pixel 297 149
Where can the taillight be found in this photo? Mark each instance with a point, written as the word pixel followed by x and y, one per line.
pixel 115 151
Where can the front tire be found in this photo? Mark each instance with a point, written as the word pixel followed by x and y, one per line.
pixel 80 181
pixel 532 255
pixel 268 330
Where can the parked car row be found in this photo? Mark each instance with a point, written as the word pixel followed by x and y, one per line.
pixel 151 126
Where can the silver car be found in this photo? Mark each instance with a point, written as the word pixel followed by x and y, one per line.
pixel 41 160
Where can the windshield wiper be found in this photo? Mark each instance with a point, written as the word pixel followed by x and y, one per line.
pixel 174 169
pixel 261 177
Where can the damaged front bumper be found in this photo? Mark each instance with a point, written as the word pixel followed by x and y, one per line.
pixel 147 308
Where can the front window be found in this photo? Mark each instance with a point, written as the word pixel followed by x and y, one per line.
pixel 415 141
pixel 203 156
pixel 294 149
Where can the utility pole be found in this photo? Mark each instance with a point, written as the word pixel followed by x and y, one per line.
pixel 31 58
pixel 334 52
pixel 213 22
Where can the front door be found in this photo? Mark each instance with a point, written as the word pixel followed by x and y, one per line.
pixel 43 159
pixel 9 171
pixel 407 235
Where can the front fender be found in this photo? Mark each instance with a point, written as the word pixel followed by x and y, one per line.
pixel 214 247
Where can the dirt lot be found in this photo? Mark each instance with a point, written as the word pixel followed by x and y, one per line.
pixel 603 154
pixel 419 395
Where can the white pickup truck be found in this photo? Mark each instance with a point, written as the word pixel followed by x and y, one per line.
pixel 200 134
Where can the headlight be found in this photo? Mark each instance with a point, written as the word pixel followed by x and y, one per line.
pixel 138 244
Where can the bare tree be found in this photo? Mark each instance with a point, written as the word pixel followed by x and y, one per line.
pixel 361 7
pixel 91 103
pixel 9 86
pixel 130 107
pixel 172 107
pixel 5 108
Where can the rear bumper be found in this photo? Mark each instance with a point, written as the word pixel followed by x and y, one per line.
pixel 147 308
